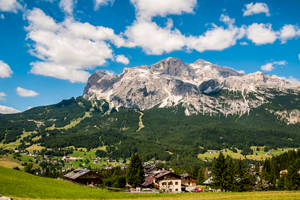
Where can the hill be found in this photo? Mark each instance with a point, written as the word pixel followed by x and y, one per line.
pixel 238 112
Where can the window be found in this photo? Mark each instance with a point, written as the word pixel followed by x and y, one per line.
pixel 176 189
pixel 170 183
pixel 176 183
pixel 163 183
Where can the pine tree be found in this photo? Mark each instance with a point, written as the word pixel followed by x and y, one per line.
pixel 239 182
pixel 219 172
pixel 292 179
pixel 135 174
pixel 230 175
pixel 200 177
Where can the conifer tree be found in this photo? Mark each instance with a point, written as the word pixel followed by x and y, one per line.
pixel 239 182
pixel 230 175
pixel 200 177
pixel 135 174
pixel 292 179
pixel 219 172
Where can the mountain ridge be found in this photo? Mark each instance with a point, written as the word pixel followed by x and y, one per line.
pixel 171 81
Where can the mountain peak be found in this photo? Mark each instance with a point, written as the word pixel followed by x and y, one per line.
pixel 171 81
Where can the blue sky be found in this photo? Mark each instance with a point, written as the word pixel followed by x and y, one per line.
pixel 49 48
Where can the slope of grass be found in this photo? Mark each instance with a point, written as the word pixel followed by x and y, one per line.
pixel 20 184
pixel 261 155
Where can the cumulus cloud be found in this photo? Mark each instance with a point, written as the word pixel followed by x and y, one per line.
pixel 267 67
pixel 2 95
pixel 67 6
pixel 217 38
pixel 1 16
pixel 299 56
pixel 69 48
pixel 8 110
pixel 148 9
pixel 291 79
pixel 261 34
pixel 26 93
pixel 243 43
pixel 5 70
pixel 10 6
pixel 270 66
pixel 288 32
pixel 154 39
pixel 252 9
pixel 122 59
pixel 99 3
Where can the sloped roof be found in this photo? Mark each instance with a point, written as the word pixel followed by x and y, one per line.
pixel 148 180
pixel 166 173
pixel 77 173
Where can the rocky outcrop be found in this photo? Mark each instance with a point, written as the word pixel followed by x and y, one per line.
pixel 171 81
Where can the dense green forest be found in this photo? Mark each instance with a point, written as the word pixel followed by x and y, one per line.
pixel 167 132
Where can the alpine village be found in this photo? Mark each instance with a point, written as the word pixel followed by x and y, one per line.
pixel 161 112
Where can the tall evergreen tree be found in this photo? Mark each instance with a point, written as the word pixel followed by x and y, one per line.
pixel 135 174
pixel 200 177
pixel 219 172
pixel 230 175
pixel 292 179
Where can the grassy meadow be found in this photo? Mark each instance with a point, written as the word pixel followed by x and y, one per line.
pixel 261 155
pixel 24 186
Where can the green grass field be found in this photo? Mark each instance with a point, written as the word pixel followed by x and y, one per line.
pixel 23 186
pixel 261 155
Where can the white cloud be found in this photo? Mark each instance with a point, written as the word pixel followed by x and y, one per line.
pixel 1 16
pixel 148 9
pixel 291 79
pixel 241 71
pixel 252 9
pixel 288 32
pixel 67 6
pixel 154 39
pixel 29 107
pixel 8 110
pixel 10 6
pixel 2 95
pixel 270 66
pixel 122 59
pixel 5 70
pixel 157 40
pixel 65 72
pixel 68 48
pixel 99 3
pixel 267 67
pixel 243 43
pixel 283 62
pixel 227 20
pixel 261 34
pixel 26 93
pixel 299 56
pixel 217 38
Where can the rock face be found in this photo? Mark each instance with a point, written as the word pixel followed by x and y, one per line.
pixel 201 87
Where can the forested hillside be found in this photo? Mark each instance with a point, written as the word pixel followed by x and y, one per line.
pixel 160 133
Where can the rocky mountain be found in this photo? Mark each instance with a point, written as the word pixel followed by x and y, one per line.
pixel 201 87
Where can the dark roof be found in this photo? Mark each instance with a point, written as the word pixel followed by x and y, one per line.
pixel 158 176
pixel 148 180
pixel 150 168
pixel 77 173
pixel 187 176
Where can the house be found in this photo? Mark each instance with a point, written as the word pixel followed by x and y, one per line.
pixel 151 170
pixel 188 180
pixel 148 181
pixel 208 181
pixel 95 161
pixel 84 176
pixel 167 181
